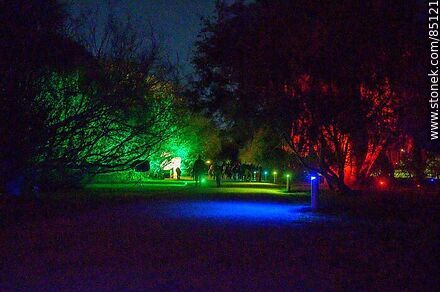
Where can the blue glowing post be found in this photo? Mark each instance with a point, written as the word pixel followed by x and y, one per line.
pixel 265 176
pixel 314 200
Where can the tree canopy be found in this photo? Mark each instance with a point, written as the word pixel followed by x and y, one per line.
pixel 332 79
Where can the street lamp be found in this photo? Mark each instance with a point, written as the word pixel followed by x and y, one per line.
pixel 288 182
pixel 265 175
pixel 275 177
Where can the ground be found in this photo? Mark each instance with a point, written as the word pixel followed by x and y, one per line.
pixel 174 236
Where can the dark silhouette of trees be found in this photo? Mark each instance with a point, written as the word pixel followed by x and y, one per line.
pixel 31 46
pixel 70 110
pixel 330 78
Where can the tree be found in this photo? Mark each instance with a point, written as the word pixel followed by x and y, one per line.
pixel 326 76
pixel 84 134
pixel 31 46
pixel 80 115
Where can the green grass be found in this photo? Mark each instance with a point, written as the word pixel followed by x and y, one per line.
pixel 64 203
pixel 189 187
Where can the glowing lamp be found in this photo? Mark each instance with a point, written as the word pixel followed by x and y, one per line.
pixel 382 183
pixel 314 193
pixel 288 182
pixel 208 161
pixel 265 173
pixel 274 173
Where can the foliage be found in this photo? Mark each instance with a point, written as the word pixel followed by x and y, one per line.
pixel 196 135
pixel 69 111
pixel 85 133
pixel 332 89
pixel 264 149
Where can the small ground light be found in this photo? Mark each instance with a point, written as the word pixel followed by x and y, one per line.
pixel 382 183
pixel 314 192
pixel 418 186
pixel 208 161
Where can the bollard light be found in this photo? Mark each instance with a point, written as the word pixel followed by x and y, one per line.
pixel 274 177
pixel 288 182
pixel 314 198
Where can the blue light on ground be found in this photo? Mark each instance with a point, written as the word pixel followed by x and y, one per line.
pixel 237 212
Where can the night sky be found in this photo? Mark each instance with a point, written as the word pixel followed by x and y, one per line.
pixel 175 22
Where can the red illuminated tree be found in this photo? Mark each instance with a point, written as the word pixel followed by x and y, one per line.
pixel 326 76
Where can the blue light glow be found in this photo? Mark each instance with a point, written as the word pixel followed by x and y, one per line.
pixel 312 177
pixel 237 212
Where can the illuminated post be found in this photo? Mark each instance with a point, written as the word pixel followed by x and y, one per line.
pixel 265 175
pixel 288 181
pixel 274 177
pixel 314 200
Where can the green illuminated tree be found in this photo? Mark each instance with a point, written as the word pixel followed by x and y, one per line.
pixel 85 112
pixel 84 133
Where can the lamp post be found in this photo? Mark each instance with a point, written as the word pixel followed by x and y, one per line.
pixel 265 175
pixel 274 177
pixel 314 199
pixel 288 182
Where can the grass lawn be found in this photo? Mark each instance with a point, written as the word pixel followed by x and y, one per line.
pixel 168 235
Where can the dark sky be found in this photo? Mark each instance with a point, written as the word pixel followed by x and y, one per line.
pixel 176 22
